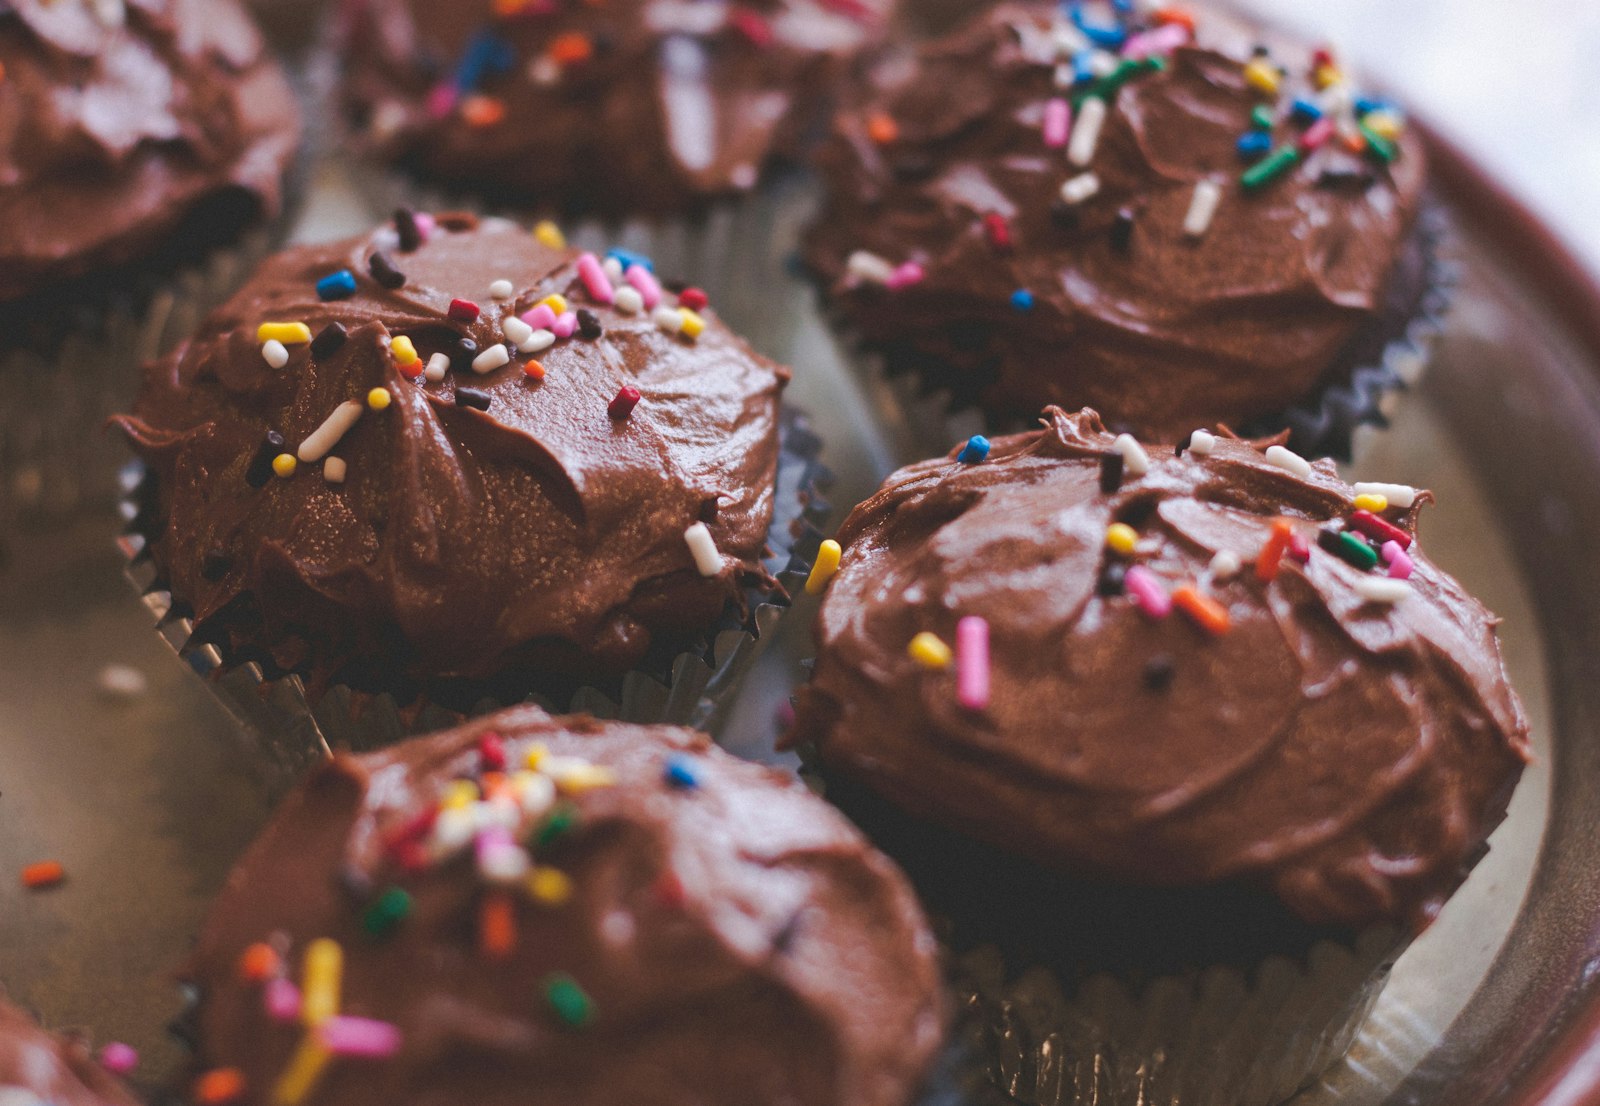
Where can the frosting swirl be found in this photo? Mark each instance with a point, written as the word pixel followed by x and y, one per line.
pixel 1298 733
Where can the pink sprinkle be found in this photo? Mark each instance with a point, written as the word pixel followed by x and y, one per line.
pixel 1162 40
pixel 492 840
pixel 426 225
pixel 542 317
pixel 906 275
pixel 1317 134
pixel 118 1058
pixel 595 279
pixel 972 663
pixel 442 100
pixel 1057 123
pixel 343 1035
pixel 645 281
pixel 1147 591
pixel 565 324
pixel 282 1000
pixel 1400 563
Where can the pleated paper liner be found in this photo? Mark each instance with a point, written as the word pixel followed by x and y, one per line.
pixel 290 730
pixel 925 418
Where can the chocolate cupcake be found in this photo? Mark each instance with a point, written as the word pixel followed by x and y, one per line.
pixel 1178 225
pixel 536 909
pixel 447 462
pixel 144 146
pixel 43 1069
pixel 1196 741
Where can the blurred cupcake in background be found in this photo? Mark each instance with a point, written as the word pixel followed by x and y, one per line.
pixel 447 463
pixel 1177 219
pixel 144 152
pixel 1185 746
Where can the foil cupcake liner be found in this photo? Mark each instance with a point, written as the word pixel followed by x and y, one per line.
pixel 923 421
pixel 288 730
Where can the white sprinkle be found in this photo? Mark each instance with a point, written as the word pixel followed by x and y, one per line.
pixel 1065 77
pixel 1399 495
pixel 501 290
pixel 744 176
pixel 326 436
pixel 275 353
pixel 703 549
pixel 613 270
pixel 334 470
pixel 1102 63
pixel 1202 208
pixel 869 267
pixel 491 359
pixel 536 793
pixel 1086 131
pixel 515 330
pixel 629 301
pixel 1381 589
pixel 668 319
pixel 1067 39
pixel 1225 565
pixel 1080 188
pixel 503 864
pixel 1134 459
pixel 544 71
pixel 438 365
pixel 1202 442
pixel 453 830
pixel 537 341
pixel 1289 461
pixel 121 681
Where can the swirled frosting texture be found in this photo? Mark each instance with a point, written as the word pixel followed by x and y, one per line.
pixel 631 106
pixel 535 537
pixel 119 119
pixel 737 941
pixel 1349 756
pixel 1161 331
pixel 52 1069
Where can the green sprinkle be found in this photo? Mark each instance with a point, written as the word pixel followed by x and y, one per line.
pixel 568 1000
pixel 1107 87
pixel 391 908
pixel 561 821
pixel 1271 167
pixel 1357 552
pixel 1261 117
pixel 1387 151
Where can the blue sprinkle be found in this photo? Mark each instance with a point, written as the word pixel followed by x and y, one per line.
pixel 486 54
pixel 1022 299
pixel 337 286
pixel 627 258
pixel 1254 145
pixel 1305 111
pixel 1083 66
pixel 1366 105
pixel 976 449
pixel 680 774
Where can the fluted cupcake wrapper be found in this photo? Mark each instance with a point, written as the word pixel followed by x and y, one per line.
pixel 1339 422
pixel 288 730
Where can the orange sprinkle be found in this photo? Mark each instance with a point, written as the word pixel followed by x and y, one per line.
pixel 571 48
pixel 1272 553
pixel 1181 16
pixel 46 873
pixel 497 925
pixel 1206 611
pixel 495 785
pixel 505 9
pixel 1355 142
pixel 2 71
pixel 882 128
pixel 218 1086
pixel 259 963
pixel 534 370
pixel 482 111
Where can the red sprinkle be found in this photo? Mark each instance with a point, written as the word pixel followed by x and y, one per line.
pixel 412 830
pixel 492 752
pixel 1320 57
pixel 463 311
pixel 1316 134
pixel 998 230
pixel 46 873
pixel 693 298
pixel 668 891
pixel 753 27
pixel 1380 529
pixel 626 400
pixel 1299 549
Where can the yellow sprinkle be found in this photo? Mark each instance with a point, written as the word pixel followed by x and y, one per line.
pixel 591 776
pixel 927 650
pixel 404 352
pixel 1374 503
pixel 320 981
pixel 1122 538
pixel 459 794
pixel 304 1069
pixel 548 234
pixel 1326 76
pixel 379 398
pixel 692 324
pixel 550 886
pixel 1262 76
pixel 556 302
pixel 1384 124
pixel 290 334
pixel 823 568
pixel 536 754
pixel 284 465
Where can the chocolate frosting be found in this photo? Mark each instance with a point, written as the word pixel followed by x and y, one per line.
pixel 536 537
pixel 1161 331
pixel 57 1070
pixel 121 120
pixel 633 106
pixel 1348 756
pixel 736 941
